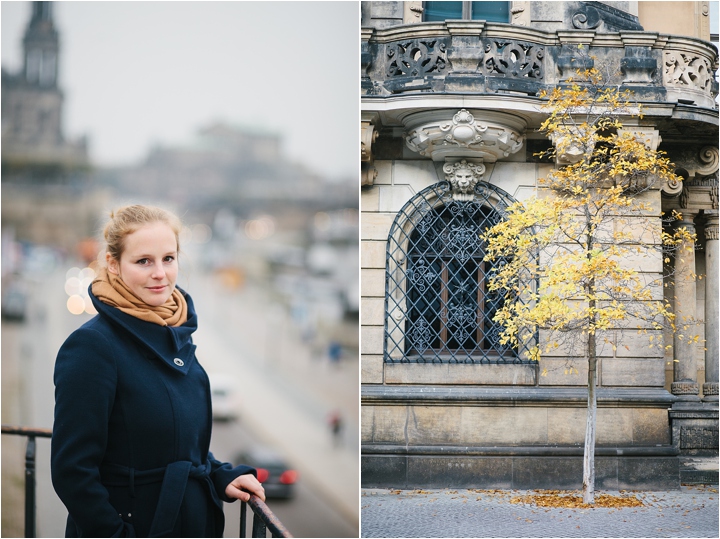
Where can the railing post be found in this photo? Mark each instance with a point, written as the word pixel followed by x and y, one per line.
pixel 258 528
pixel 243 519
pixel 263 520
pixel 30 487
pixel 30 529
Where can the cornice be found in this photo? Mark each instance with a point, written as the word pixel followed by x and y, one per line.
pixel 559 37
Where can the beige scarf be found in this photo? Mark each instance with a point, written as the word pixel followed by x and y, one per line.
pixel 113 291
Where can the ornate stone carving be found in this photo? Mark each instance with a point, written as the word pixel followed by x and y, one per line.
pixel 602 17
pixel 587 18
pixel 684 197
pixel 520 13
pixel 463 178
pixel 568 148
pixel 684 388
pixel 514 59
pixel 416 57
pixel 369 173
pixel 710 389
pixel 463 130
pixel 711 232
pixel 687 71
pixel 692 437
pixel 413 12
pixel 368 135
pixel 397 56
pixel 440 133
pixel 700 170
pixel 673 187
pixel 709 157
pixel 649 136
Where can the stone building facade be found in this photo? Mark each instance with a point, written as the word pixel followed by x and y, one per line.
pixel 450 111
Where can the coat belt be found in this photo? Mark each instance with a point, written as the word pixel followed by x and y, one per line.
pixel 174 479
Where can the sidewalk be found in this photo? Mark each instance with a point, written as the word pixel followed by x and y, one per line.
pixel 689 512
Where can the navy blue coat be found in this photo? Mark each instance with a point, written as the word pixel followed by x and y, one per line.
pixel 133 418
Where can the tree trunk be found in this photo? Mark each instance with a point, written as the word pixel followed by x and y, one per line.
pixel 589 454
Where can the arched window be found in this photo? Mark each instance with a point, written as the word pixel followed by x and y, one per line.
pixel 438 307
pixel 483 10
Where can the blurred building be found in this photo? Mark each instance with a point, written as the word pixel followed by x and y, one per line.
pixel 446 81
pixel 225 165
pixel 44 175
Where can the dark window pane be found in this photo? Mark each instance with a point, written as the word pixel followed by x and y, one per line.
pixel 439 11
pixel 489 11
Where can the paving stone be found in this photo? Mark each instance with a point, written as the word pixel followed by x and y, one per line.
pixel 691 511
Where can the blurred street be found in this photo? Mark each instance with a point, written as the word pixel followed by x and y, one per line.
pixel 285 393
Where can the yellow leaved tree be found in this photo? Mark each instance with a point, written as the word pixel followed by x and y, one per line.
pixel 572 261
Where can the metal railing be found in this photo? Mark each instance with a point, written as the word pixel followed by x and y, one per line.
pixel 263 518
pixel 31 434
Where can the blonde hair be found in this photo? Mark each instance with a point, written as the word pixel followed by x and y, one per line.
pixel 126 220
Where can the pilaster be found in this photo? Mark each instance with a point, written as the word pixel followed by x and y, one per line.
pixel 712 291
pixel 685 385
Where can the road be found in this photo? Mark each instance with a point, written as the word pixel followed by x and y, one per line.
pixel 300 513
pixel 286 395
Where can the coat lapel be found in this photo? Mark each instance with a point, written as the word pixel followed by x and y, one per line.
pixel 173 346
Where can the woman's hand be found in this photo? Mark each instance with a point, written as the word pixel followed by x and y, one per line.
pixel 242 483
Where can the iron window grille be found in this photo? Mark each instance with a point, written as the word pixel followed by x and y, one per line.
pixel 437 305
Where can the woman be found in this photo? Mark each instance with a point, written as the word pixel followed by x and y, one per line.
pixel 130 446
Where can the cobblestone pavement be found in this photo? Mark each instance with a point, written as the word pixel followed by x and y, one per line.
pixel 689 512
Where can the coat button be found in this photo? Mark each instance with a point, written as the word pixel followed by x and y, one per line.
pixel 179 362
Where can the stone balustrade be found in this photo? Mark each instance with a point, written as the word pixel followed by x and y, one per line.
pixel 477 57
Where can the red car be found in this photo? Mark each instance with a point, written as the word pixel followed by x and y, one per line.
pixel 277 477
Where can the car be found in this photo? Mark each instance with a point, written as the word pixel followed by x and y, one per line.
pixel 278 478
pixel 14 303
pixel 223 392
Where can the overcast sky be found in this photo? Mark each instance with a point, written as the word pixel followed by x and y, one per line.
pixel 136 74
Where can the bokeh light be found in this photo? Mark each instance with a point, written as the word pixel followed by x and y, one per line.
pixel 77 282
pixel 76 304
pixel 72 286
pixel 201 233
pixel 260 228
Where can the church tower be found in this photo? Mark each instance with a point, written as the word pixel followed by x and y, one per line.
pixel 32 107
pixel 42 170
pixel 41 47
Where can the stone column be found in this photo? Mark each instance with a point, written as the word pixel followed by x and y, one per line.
pixel 685 385
pixel 712 347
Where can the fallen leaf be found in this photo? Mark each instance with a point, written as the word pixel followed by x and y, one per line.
pixel 573 501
